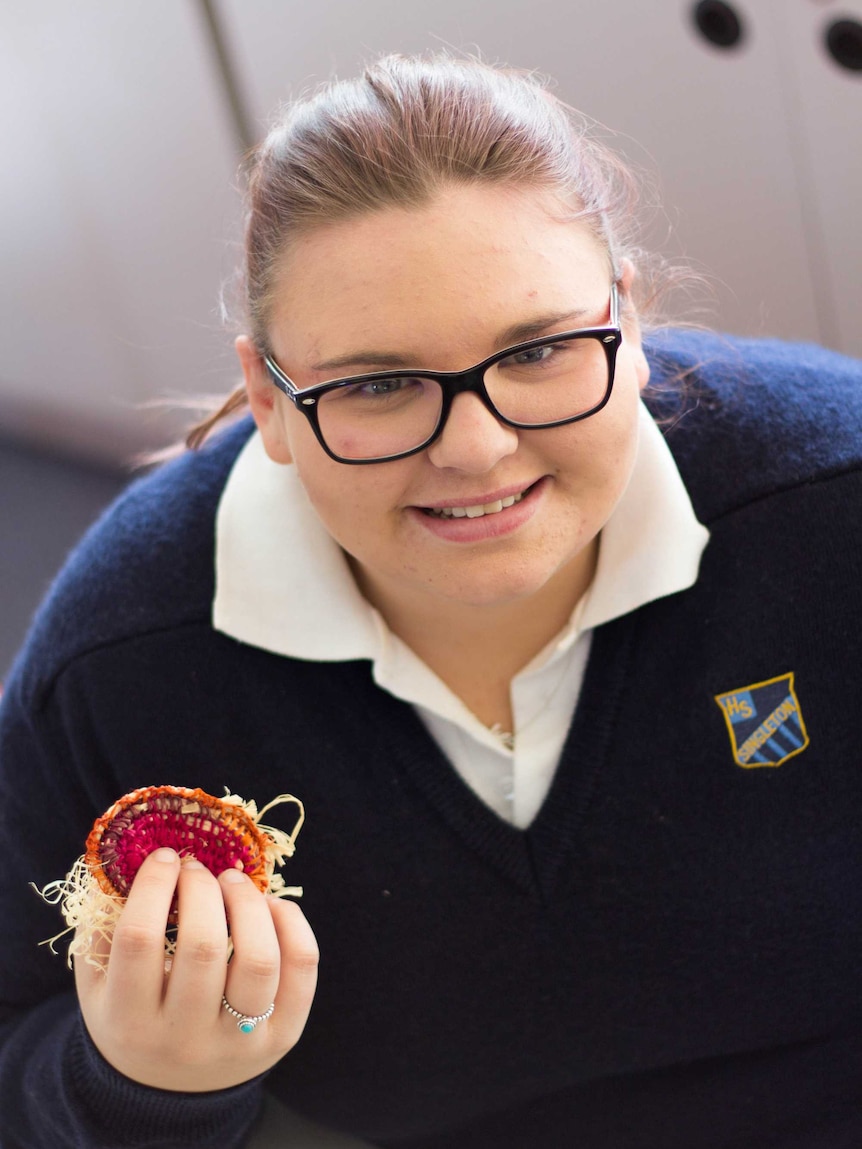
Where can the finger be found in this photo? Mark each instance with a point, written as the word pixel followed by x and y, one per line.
pixel 299 961
pixel 137 960
pixel 90 967
pixel 199 965
pixel 253 974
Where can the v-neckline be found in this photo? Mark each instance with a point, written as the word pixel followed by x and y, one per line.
pixel 531 858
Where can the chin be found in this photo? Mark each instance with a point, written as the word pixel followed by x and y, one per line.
pixel 496 590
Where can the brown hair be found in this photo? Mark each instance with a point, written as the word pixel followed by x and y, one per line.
pixel 396 135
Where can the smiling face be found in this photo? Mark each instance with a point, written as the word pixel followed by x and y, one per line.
pixel 487 514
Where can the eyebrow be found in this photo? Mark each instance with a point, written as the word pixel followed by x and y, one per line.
pixel 517 333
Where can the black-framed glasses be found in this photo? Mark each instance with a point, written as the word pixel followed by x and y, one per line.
pixel 385 415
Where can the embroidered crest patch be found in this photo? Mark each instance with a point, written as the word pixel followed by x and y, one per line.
pixel 764 722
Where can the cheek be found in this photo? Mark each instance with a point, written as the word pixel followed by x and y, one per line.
pixel 620 452
pixel 596 463
pixel 323 480
pixel 355 504
pixel 322 477
pixel 332 494
pixel 605 451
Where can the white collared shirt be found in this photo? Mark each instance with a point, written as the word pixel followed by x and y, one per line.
pixel 272 549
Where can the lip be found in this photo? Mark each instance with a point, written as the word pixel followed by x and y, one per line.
pixel 479 500
pixel 487 526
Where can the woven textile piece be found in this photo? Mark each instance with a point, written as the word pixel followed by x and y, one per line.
pixel 222 833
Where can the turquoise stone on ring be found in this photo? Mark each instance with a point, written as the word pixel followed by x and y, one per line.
pixel 247 1023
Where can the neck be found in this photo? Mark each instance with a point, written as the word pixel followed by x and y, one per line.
pixel 477 649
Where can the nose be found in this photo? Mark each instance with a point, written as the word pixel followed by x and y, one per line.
pixel 473 439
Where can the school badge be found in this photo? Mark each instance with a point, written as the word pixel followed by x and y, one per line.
pixel 764 722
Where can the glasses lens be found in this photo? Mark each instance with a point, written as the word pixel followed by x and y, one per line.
pixel 549 382
pixel 379 417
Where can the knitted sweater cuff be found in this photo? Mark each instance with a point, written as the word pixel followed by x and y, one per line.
pixel 219 1119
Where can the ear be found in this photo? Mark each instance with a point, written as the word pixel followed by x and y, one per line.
pixel 631 325
pixel 264 400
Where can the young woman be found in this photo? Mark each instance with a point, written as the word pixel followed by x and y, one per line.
pixel 552 629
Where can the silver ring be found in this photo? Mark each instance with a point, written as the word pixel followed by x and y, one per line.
pixel 246 1023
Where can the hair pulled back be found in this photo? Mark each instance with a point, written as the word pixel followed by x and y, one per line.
pixel 396 135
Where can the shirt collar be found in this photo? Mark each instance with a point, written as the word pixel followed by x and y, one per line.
pixel 283 583
pixel 652 544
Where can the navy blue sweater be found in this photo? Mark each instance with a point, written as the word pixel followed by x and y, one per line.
pixel 668 958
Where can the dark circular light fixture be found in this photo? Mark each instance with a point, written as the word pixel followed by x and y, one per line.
pixel 719 23
pixel 844 44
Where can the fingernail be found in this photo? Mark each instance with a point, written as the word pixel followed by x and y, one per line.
pixel 191 864
pixel 165 854
pixel 232 876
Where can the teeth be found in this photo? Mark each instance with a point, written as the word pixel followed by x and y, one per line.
pixel 479 510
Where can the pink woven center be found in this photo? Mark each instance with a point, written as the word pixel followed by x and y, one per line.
pixel 134 834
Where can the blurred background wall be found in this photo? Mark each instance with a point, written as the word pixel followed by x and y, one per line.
pixel 124 121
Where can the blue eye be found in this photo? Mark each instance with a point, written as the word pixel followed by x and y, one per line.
pixel 534 355
pixel 384 386
pixel 401 387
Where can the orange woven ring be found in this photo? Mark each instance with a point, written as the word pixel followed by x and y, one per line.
pixel 219 834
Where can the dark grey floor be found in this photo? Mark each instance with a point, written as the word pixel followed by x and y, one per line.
pixel 46 503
